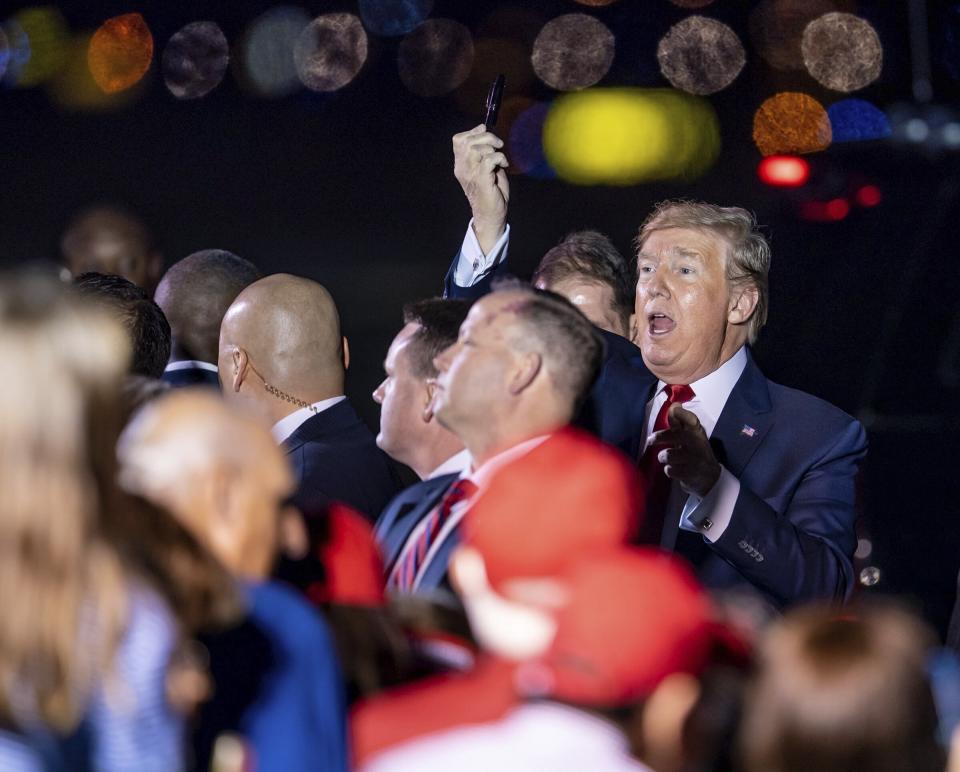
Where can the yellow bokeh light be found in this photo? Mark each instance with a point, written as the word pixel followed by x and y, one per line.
pixel 791 122
pixel 74 89
pixel 49 41
pixel 624 136
pixel 120 52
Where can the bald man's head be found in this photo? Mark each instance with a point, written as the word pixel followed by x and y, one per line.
pixel 195 293
pixel 113 241
pixel 282 332
pixel 216 469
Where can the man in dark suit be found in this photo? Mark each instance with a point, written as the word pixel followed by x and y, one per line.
pixel 585 267
pixel 282 354
pixel 523 361
pixel 194 294
pixel 753 482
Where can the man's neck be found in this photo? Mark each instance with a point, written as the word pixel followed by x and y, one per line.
pixel 436 454
pixel 484 447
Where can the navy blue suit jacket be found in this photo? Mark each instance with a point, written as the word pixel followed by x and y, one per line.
pixel 612 410
pixel 191 376
pixel 401 516
pixel 792 534
pixel 335 458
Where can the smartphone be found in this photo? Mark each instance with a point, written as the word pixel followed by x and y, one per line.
pixel 494 97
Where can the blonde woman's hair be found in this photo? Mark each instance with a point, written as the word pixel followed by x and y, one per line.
pixel 62 591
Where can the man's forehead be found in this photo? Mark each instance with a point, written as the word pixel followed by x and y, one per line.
pixel 493 311
pixel 401 341
pixel 683 241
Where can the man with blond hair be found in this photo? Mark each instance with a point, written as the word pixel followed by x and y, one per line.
pixel 752 481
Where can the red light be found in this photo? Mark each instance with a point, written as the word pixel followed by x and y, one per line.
pixel 869 195
pixel 838 208
pixel 784 171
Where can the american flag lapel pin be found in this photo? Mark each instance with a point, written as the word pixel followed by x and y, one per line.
pixel 748 431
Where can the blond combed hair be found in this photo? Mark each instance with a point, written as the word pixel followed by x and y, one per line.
pixel 748 255
pixel 61 587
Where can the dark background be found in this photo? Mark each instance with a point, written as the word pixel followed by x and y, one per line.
pixel 355 189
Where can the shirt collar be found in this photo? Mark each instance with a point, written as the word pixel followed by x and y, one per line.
pixel 713 390
pixel 286 426
pixel 189 364
pixel 482 475
pixel 458 462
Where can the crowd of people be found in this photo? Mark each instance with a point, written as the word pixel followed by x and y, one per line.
pixel 626 548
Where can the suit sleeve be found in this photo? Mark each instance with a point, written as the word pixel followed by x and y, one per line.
pixel 805 552
pixel 472 273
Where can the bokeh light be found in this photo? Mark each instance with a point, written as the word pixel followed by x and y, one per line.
pixel 74 89
pixel 700 55
pixel 492 56
pixel 869 196
pixel 842 51
pixel 388 18
pixel 573 51
pixel 777 26
pixel 17 52
pixel 265 64
pixel 195 60
pixel 47 40
pixel 950 51
pixel 791 122
pixel 436 57
pixel 330 51
pixel 856 120
pixel 525 142
pixel 120 52
pixel 784 171
pixel 4 53
pixel 692 3
pixel 624 136
pixel 596 3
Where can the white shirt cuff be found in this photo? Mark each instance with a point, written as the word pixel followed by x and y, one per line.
pixel 711 515
pixel 472 264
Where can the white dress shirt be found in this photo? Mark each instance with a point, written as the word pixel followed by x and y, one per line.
pixel 287 425
pixel 189 364
pixel 472 264
pixel 481 478
pixel 710 515
pixel 530 738
pixel 458 462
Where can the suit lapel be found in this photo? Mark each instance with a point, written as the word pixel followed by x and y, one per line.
pixel 409 515
pixel 744 422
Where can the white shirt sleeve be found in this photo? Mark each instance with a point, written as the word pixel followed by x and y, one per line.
pixel 472 264
pixel 711 515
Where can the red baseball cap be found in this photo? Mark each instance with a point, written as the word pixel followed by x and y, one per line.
pixel 351 560
pixel 568 496
pixel 633 617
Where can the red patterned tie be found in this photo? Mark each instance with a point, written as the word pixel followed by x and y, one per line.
pixel 651 470
pixel 414 554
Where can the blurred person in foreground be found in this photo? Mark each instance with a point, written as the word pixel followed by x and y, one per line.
pixel 584 267
pixel 96 593
pixel 113 241
pixel 195 293
pixel 619 627
pixel 276 680
pixel 525 528
pixel 842 694
pixel 140 316
pixel 521 365
pixel 282 355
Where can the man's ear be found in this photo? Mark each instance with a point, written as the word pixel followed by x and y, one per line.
pixel 429 389
pixel 743 302
pixel 346 353
pixel 240 363
pixel 525 370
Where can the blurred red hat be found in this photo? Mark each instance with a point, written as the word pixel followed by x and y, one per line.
pixel 351 561
pixel 568 496
pixel 633 617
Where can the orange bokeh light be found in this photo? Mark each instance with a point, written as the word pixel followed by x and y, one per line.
pixel 120 52
pixel 791 122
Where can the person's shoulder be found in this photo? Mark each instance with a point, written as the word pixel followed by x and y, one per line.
pixel 808 407
pixel 285 611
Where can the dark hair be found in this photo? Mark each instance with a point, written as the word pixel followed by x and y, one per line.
pixel 141 317
pixel 561 334
pixel 590 256
pixel 439 320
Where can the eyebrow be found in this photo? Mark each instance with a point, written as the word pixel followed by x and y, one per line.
pixel 679 251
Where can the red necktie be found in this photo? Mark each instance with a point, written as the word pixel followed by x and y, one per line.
pixel 414 554
pixel 651 470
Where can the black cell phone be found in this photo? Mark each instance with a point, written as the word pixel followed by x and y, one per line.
pixel 494 97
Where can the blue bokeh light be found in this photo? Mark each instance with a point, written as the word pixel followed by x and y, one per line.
pixel 856 120
pixel 389 18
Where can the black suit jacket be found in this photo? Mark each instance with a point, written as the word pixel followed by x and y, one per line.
pixel 191 376
pixel 335 458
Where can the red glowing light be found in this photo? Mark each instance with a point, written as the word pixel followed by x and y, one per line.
pixel 869 195
pixel 825 211
pixel 784 171
pixel 837 209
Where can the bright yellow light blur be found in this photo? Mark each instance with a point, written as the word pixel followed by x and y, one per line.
pixel 625 136
pixel 73 87
pixel 46 29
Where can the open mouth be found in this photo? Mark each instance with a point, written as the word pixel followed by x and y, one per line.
pixel 660 324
